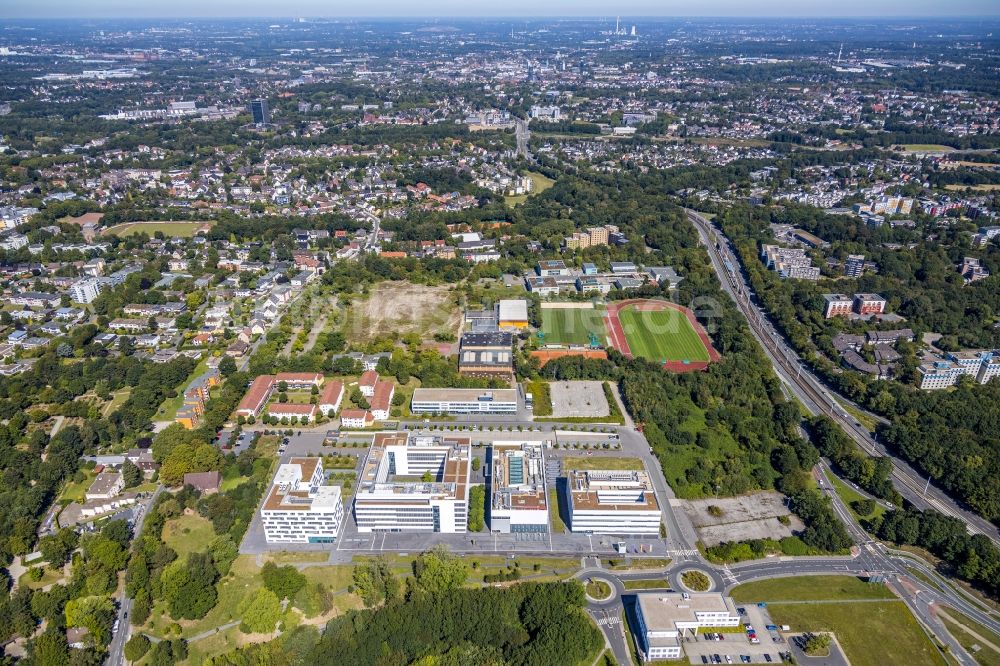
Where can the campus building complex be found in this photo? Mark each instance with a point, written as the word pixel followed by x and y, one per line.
pixel 612 502
pixel 464 401
pixel 515 485
pixel 414 484
pixel 299 508
pixel 665 618
pixel 981 364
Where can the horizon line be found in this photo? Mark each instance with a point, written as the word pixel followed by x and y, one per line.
pixel 433 17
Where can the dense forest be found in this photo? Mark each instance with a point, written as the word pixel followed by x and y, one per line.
pixel 529 624
pixel 953 436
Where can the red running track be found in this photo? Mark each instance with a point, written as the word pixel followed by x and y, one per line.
pixel 620 342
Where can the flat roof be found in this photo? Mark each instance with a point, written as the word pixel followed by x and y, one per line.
pixel 663 610
pixel 375 479
pixel 518 480
pixel 464 395
pixel 512 310
pixel 612 490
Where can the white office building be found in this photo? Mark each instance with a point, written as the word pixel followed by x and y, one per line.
pixel 85 290
pixel 414 484
pixel 617 502
pixel 515 484
pixel 299 508
pixel 665 618
pixel 464 401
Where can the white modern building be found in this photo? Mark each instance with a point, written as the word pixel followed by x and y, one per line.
pixel 515 484
pixel 299 508
pixel 414 484
pixel 85 290
pixel 612 502
pixel 664 618
pixel 464 401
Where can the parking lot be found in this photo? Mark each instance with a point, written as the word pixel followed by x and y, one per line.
pixel 736 648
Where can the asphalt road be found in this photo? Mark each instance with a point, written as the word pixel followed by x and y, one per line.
pixel 116 649
pixel 816 396
pixel 522 134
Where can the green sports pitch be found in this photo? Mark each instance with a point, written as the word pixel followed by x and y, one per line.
pixel 662 335
pixel 572 326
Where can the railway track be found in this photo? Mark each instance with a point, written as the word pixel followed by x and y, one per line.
pixel 917 490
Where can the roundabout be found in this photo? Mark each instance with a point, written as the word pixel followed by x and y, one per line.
pixel 598 589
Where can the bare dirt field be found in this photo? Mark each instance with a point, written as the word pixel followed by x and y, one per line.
pixel 398 308
pixel 752 516
pixel 578 399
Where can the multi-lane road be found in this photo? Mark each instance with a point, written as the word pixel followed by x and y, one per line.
pixel 812 393
pixel 522 134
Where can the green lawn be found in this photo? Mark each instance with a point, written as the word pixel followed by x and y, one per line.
pixel 558 526
pixel 169 229
pixel 986 652
pixel 927 147
pixel 602 462
pixel 872 633
pixel 540 183
pixel 573 326
pixel 49 576
pixel 647 584
pixel 118 398
pixel 810 588
pixel 188 534
pixel 73 492
pixel 168 410
pixel 848 495
pixel 661 335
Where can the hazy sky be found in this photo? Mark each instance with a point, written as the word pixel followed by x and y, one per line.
pixel 427 8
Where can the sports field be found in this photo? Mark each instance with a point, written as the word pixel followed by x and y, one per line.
pixel 661 335
pixel 572 326
pixel 169 229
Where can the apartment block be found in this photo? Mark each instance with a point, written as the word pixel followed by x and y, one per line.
pixel 789 262
pixel 837 305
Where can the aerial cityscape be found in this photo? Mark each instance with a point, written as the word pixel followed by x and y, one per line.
pixel 424 337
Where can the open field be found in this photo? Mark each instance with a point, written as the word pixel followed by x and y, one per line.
pixel 573 326
pixel 169 229
pixel 539 182
pixel 751 516
pixel 810 588
pixel 661 333
pixel 871 625
pixel 188 534
pixel 398 308
pixel 991 187
pixel 926 148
